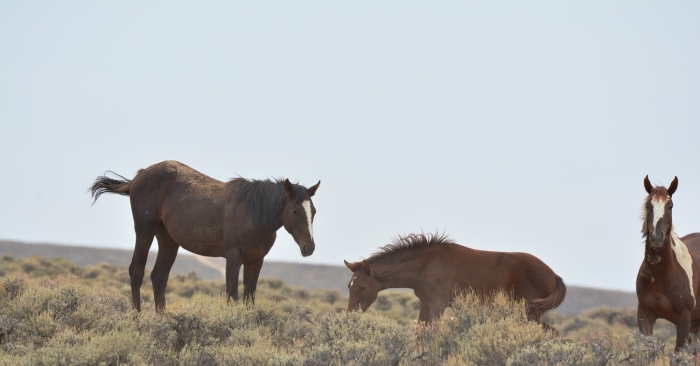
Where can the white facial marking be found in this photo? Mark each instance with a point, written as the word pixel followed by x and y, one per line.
pixel 307 207
pixel 352 280
pixel 684 259
pixel 659 206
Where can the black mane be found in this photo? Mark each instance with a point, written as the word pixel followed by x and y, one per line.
pixel 264 199
pixel 410 242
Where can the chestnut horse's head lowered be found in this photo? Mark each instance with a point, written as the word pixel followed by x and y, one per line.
pixel 363 286
pixel 657 213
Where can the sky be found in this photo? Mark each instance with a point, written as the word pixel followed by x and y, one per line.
pixel 511 126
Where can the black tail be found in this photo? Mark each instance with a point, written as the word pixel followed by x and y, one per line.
pixel 104 184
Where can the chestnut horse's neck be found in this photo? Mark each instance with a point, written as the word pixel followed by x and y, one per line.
pixel 400 271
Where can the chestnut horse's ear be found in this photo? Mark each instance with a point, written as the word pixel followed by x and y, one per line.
pixel 367 268
pixel 289 188
pixel 353 266
pixel 647 184
pixel 673 186
pixel 312 189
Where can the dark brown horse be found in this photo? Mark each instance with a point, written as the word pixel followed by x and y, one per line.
pixel 237 220
pixel 437 269
pixel 667 282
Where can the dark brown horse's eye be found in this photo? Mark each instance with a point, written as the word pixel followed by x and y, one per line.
pixel 363 287
pixel 294 212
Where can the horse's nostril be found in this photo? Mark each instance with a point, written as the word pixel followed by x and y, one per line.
pixel 304 249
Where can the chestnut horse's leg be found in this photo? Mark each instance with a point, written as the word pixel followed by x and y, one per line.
pixel 233 268
pixel 251 271
pixel 144 238
pixel 167 251
pixel 682 330
pixel 645 321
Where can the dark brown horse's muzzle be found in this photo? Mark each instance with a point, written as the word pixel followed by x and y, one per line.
pixel 307 249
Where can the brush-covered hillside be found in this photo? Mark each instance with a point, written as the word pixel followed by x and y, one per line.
pixel 309 276
pixel 53 312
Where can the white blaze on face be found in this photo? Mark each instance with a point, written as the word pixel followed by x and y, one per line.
pixel 307 207
pixel 659 206
pixel 684 259
pixel 352 280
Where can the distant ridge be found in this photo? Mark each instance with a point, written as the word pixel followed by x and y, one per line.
pixel 311 276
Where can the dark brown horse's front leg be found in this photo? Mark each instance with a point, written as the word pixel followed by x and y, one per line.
pixel 233 268
pixel 682 330
pixel 251 271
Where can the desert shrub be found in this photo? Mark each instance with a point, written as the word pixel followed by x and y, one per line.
pixel 11 287
pixel 271 283
pixel 645 350
pixel 625 317
pixel 383 303
pixel 327 296
pixel 113 348
pixel 556 351
pixel 358 339
pixel 482 331
pixel 84 317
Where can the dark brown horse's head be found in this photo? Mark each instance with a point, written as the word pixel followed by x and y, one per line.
pixel 657 213
pixel 298 217
pixel 363 286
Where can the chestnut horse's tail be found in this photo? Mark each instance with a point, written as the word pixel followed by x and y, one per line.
pixel 540 306
pixel 104 184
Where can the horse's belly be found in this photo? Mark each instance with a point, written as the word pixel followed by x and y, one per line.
pixel 196 228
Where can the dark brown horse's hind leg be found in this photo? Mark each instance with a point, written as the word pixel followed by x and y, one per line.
pixel 251 271
pixel 167 251
pixel 144 239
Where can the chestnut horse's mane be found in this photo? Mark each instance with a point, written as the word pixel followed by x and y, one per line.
pixel 410 242
pixel 263 199
pixel 660 193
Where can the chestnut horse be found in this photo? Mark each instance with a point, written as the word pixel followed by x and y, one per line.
pixel 237 220
pixel 437 269
pixel 667 282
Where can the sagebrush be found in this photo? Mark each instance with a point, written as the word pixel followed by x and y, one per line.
pixel 54 313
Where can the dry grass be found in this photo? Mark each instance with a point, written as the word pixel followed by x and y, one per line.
pixel 53 313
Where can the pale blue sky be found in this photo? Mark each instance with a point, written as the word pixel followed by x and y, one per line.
pixel 513 126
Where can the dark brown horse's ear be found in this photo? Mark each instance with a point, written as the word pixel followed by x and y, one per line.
pixel 289 188
pixel 673 186
pixel 367 268
pixel 352 266
pixel 312 189
pixel 647 184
